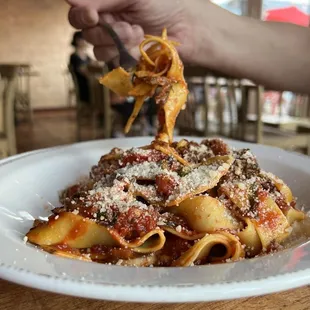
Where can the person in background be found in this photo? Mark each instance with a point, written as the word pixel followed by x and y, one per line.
pixel 124 107
pixel 275 55
pixel 79 60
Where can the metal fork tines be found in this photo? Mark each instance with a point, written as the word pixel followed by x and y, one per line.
pixel 125 59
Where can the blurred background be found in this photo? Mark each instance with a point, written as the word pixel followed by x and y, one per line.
pixel 50 93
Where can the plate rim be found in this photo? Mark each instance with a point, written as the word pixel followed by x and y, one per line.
pixel 141 293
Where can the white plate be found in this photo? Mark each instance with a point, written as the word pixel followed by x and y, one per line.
pixel 28 189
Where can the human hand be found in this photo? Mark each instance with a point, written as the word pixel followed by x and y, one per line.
pixel 131 19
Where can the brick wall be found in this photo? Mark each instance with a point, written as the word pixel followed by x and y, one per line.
pixel 37 32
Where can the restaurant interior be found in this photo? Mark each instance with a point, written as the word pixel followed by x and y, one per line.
pixel 41 105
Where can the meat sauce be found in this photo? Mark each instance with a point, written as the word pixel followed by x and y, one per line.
pixel 174 247
pixel 104 254
pixel 165 185
pixel 152 156
pixel 266 217
pixel 218 146
pixel 135 223
pixel 280 199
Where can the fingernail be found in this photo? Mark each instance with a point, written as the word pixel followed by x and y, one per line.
pixel 138 31
pixel 89 17
pixel 106 18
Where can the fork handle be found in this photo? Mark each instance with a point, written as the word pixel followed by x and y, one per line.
pixel 110 65
pixel 119 44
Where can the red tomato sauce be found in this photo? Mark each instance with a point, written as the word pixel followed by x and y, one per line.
pixel 135 223
pixel 165 185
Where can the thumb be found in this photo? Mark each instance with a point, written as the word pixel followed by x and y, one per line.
pixel 83 17
pixel 101 5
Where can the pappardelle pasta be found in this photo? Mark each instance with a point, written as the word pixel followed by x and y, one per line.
pixel 168 203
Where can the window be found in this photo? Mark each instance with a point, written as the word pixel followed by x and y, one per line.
pixel 238 7
pixel 291 11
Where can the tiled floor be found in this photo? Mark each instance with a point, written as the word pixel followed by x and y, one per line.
pixel 52 128
pixel 48 129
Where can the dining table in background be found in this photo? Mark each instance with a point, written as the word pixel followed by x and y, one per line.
pixel 246 120
pixel 13 296
pixel 22 97
pixel 23 101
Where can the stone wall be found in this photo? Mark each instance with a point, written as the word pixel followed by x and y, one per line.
pixel 37 32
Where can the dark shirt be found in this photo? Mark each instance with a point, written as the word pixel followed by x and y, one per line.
pixel 76 62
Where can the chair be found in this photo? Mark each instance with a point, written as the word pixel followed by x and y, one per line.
pixel 8 84
pixel 268 135
pixel 100 100
pixel 71 93
pixel 23 90
pixel 243 132
pixel 187 122
pixel 301 105
pixel 79 105
pixel 99 104
pixel 240 126
pixel 195 119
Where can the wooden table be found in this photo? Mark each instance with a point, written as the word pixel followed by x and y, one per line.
pixel 13 296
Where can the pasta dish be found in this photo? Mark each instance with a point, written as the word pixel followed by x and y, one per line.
pixel 168 203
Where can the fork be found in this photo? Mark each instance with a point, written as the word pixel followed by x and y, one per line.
pixel 125 59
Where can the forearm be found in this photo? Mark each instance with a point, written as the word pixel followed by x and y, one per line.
pixel 273 54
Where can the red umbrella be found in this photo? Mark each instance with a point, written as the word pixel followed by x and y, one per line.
pixel 289 15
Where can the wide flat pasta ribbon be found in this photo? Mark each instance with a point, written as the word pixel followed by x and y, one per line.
pixel 291 214
pixel 78 232
pixel 201 251
pixel 250 238
pixel 271 225
pixel 72 230
pixel 199 179
pixel 159 67
pixel 206 214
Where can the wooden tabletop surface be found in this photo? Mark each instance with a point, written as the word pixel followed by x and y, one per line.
pixel 17 297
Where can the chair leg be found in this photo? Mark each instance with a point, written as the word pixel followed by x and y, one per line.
pixel 280 104
pixel 4 149
pixel 220 108
pixel 206 95
pixel 30 114
pixel 107 119
pixel 259 108
pixel 231 103
pixel 29 107
pixel 243 114
pixel 94 124
pixel 78 125
pixel 12 146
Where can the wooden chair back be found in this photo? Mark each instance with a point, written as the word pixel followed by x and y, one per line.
pixel 99 105
pixel 100 98
pixel 209 81
pixel 8 83
pixel 187 122
pixel 23 89
pixel 301 105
